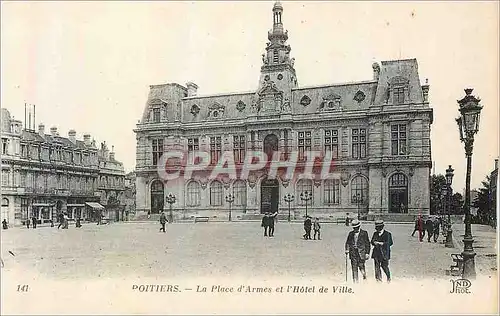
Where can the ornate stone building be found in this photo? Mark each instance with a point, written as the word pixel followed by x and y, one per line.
pixel 377 130
pixel 45 174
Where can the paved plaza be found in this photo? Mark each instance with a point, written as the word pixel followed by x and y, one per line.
pixel 220 249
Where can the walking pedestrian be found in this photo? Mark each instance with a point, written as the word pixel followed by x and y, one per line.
pixel 307 227
pixel 78 222
pixel 429 227
pixel 4 224
pixel 265 223
pixel 435 229
pixel 417 227
pixel 28 220
pixel 163 221
pixel 34 221
pixel 65 221
pixel 317 228
pixel 271 222
pixel 381 254
pixel 60 218
pixel 357 245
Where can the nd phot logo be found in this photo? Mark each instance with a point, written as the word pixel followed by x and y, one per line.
pixel 461 286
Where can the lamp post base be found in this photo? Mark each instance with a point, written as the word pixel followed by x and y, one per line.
pixel 469 269
pixel 449 239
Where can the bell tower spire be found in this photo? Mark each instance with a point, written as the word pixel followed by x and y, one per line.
pixel 277 72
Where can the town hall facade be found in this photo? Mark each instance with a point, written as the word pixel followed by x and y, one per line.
pixel 377 131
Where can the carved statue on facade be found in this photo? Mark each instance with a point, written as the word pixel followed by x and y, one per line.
pixel 292 61
pixel 264 59
pixel 286 106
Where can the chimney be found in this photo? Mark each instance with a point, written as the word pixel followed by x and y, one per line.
pixel 72 135
pixel 496 164
pixel 376 71
pixel 53 131
pixel 86 140
pixel 41 129
pixel 112 155
pixel 425 90
pixel 192 89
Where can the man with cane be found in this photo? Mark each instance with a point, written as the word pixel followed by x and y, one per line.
pixel 358 247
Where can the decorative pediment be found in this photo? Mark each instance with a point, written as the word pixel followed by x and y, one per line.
pixel 216 110
pixel 399 81
pixel 195 109
pixel 305 101
pixel 157 102
pixel 268 98
pixel 269 88
pixel 240 106
pixel 331 102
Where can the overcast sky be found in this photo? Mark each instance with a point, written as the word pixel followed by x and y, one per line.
pixel 88 66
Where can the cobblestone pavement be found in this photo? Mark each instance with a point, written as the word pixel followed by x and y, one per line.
pixel 210 249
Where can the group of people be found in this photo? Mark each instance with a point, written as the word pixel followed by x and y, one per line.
pixel 268 221
pixel 358 247
pixel 429 224
pixel 308 224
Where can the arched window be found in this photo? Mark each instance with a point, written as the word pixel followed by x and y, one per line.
pixel 157 196
pixel 398 193
pixel 359 190
pixel 331 191
pixel 216 193
pixel 5 202
pixel 303 186
pixel 240 193
pixel 193 194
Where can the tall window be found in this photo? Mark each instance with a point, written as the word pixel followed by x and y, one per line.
pixel 359 190
pixel 24 152
pixel 331 191
pixel 193 146
pixel 23 179
pixel 216 193
pixel 303 186
pixel 332 142
pixel 157 199
pixel 215 149
pixel 5 145
pixel 239 148
pixel 156 115
pixel 398 139
pixel 305 141
pixel 398 193
pixel 275 56
pixel 5 177
pixel 358 140
pixel 240 193
pixel 286 148
pixel 157 150
pixel 193 193
pixel 399 95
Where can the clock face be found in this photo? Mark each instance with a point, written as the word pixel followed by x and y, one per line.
pixel 280 76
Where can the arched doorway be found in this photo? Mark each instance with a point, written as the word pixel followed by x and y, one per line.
pixel 270 145
pixel 398 193
pixel 157 196
pixel 269 195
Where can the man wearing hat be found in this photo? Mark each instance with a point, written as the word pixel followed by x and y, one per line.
pixel 382 242
pixel 358 247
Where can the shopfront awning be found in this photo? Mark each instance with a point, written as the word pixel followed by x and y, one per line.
pixel 43 204
pixel 75 205
pixel 95 205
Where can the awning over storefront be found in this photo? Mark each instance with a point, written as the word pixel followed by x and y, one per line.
pixel 95 205
pixel 43 204
pixel 75 205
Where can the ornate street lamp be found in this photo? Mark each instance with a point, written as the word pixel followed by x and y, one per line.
pixel 230 200
pixel 449 232
pixel 356 198
pixel 306 196
pixel 289 199
pixel 170 199
pixel 468 126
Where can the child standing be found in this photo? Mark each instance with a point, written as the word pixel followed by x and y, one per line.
pixel 317 228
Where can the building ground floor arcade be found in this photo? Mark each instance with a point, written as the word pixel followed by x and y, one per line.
pixel 388 190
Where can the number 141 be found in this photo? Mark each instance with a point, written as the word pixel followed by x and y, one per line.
pixel 22 288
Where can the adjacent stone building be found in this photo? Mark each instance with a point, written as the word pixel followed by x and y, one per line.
pixel 44 174
pixel 377 130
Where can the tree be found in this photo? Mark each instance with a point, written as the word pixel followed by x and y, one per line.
pixel 483 202
pixel 438 182
pixel 457 202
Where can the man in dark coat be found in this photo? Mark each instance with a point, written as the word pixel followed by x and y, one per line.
pixel 429 227
pixel 4 224
pixel 435 229
pixel 163 221
pixel 265 223
pixel 271 222
pixel 307 227
pixel 34 220
pixel 60 217
pixel 357 245
pixel 381 254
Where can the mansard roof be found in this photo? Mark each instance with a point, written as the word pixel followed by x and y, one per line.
pixel 32 136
